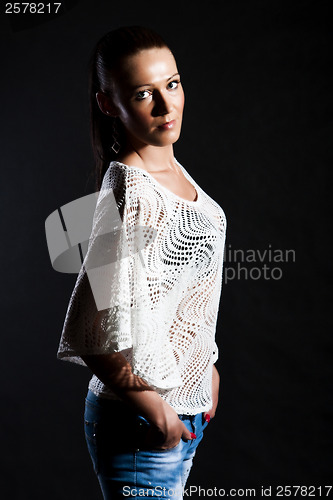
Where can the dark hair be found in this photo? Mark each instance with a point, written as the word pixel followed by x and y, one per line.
pixel 106 58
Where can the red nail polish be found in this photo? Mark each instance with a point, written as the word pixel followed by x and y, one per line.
pixel 193 436
pixel 207 417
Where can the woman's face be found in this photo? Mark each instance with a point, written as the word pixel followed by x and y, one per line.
pixel 149 98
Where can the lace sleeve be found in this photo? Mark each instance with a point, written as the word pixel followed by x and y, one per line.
pixel 99 314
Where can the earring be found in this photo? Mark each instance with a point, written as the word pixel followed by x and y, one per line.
pixel 115 135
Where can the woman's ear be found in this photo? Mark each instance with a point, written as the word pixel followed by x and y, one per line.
pixel 106 105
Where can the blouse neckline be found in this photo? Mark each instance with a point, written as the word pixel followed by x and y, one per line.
pixel 160 186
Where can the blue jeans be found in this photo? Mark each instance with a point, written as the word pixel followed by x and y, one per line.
pixel 124 466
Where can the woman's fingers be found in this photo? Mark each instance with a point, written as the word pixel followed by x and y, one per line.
pixel 155 439
pixel 187 434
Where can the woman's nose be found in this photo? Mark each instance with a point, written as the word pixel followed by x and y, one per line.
pixel 163 104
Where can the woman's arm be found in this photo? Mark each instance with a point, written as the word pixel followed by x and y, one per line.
pixel 115 372
pixel 215 393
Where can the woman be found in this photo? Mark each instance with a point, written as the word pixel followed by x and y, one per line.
pixel 143 312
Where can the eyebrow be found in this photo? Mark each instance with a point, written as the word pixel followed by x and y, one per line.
pixel 149 84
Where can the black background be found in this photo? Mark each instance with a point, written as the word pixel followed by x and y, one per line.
pixel 257 138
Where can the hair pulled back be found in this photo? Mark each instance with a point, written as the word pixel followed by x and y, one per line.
pixel 106 58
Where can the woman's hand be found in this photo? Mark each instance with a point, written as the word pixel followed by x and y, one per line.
pixel 167 431
pixel 215 394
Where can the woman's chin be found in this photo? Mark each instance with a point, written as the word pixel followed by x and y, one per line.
pixel 167 139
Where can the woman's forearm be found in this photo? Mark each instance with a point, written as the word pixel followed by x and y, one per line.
pixel 215 393
pixel 215 390
pixel 115 372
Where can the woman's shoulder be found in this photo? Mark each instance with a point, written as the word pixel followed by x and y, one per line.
pixel 118 173
pixel 121 174
pixel 128 183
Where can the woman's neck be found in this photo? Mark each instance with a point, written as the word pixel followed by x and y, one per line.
pixel 151 158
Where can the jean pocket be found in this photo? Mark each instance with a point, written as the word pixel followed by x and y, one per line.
pixel 143 426
pixel 169 450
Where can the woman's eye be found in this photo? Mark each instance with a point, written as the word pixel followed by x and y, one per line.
pixel 142 95
pixel 174 84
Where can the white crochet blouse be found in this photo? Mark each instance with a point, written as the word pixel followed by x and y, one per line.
pixel 150 287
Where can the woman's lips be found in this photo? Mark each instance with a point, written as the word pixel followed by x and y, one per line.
pixel 167 125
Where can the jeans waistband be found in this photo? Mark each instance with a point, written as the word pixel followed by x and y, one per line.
pixel 114 403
